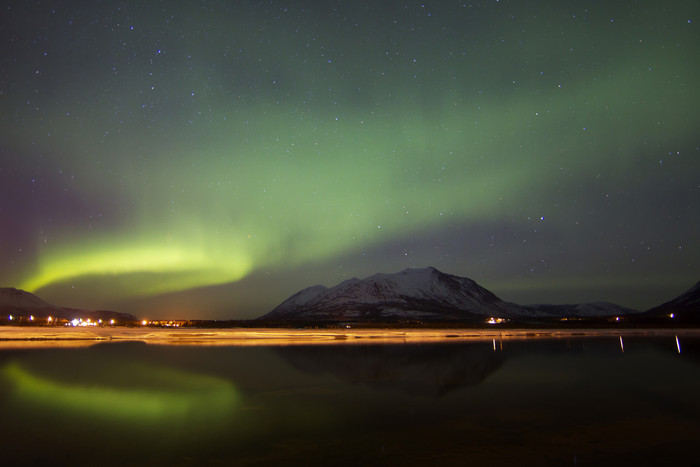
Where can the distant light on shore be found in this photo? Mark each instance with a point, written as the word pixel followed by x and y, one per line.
pixel 495 320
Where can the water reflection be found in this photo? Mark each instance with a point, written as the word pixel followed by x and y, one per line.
pixel 429 370
pixel 153 394
pixel 524 402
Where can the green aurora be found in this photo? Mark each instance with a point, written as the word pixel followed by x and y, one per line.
pixel 176 397
pixel 221 157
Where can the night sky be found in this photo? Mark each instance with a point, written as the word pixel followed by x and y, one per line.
pixel 208 159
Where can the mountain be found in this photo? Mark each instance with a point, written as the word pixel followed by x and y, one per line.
pixel 589 310
pixel 419 294
pixel 422 294
pixel 12 299
pixel 685 307
pixel 21 304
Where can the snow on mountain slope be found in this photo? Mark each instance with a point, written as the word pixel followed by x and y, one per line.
pixel 11 298
pixel 421 294
pixel 410 294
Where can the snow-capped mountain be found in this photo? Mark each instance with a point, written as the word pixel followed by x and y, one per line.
pixel 24 304
pixel 12 299
pixel 420 294
pixel 425 294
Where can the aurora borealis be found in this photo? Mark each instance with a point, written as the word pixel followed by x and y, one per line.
pixel 208 159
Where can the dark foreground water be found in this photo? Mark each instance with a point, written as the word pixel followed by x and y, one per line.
pixel 579 401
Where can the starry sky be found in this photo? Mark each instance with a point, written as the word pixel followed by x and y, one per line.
pixel 207 159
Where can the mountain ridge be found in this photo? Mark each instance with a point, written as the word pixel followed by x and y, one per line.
pixel 685 307
pixel 23 304
pixel 420 294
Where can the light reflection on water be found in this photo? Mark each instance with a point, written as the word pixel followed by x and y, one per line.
pixel 564 402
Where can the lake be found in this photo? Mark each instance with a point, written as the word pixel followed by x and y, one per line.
pixel 576 400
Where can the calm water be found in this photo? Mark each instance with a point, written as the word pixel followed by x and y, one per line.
pixel 529 402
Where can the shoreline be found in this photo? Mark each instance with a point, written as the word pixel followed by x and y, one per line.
pixel 47 337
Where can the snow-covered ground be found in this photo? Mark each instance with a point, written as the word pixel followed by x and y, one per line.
pixel 12 336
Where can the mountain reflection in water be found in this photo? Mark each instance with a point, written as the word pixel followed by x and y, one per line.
pixel 578 401
pixel 429 370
